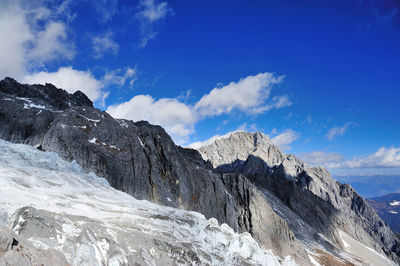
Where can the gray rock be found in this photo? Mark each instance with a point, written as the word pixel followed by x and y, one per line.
pixel 6 239
pixel 137 158
pixel 310 192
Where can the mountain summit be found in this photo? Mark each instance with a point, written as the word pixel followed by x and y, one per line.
pixel 231 152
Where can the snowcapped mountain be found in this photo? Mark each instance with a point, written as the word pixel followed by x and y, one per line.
pixel 388 207
pixel 57 212
pixel 275 204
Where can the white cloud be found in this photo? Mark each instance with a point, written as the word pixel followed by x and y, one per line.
pixel 150 15
pixel 277 103
pixel 30 37
pixel 321 158
pixel 179 118
pixel 71 80
pixel 383 158
pixel 15 33
pixel 176 117
pixel 120 77
pixel 284 139
pixel 338 131
pixel 106 8
pixel 248 94
pixel 104 44
pixel 309 119
pixel 51 43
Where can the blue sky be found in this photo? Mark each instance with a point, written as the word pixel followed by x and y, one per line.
pixel 322 78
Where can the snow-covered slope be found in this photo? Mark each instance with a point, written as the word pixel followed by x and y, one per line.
pixel 59 213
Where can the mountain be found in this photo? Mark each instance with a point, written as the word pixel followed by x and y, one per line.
pixel 243 181
pixel 141 160
pixel 388 208
pixel 59 215
pixel 310 193
pixel 372 186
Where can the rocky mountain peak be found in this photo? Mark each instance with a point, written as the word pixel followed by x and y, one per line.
pixel 46 95
pixel 238 146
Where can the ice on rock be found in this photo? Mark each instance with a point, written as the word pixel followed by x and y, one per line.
pixel 93 224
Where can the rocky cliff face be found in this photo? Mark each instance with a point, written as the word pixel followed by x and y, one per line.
pixel 140 159
pixel 309 192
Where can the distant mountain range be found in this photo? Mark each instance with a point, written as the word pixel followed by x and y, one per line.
pixel 388 208
pixel 372 186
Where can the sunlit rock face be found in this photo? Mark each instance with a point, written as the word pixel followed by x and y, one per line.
pixel 310 193
pixel 53 213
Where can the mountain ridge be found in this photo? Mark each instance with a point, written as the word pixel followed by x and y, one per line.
pixel 250 196
pixel 267 167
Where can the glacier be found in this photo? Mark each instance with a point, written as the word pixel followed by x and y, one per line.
pixel 51 205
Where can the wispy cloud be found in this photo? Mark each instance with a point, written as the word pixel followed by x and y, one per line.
pixel 104 44
pixel 383 158
pixel 106 8
pixel 379 16
pixel 120 76
pixel 151 16
pixel 338 131
pixel 284 139
pixel 322 158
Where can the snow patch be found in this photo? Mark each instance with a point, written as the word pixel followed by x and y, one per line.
pixel 122 123
pixel 141 143
pixel 96 141
pixel 395 203
pixel 32 105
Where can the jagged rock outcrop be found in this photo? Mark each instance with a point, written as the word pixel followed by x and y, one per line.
pixel 16 250
pixel 138 158
pixel 310 192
